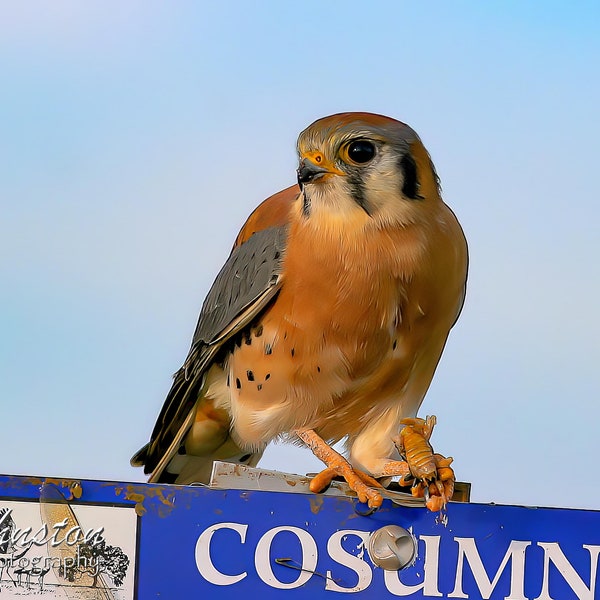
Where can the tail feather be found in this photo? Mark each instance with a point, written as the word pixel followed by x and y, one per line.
pixel 184 469
pixel 139 458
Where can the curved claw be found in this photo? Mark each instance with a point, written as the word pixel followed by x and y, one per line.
pixel 433 476
pixel 407 480
pixel 441 489
pixel 426 494
pixel 364 485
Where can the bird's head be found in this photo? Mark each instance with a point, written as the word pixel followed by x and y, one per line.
pixel 366 162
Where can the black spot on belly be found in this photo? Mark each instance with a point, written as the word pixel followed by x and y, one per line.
pixel 250 375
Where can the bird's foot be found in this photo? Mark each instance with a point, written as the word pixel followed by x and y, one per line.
pixel 337 466
pixel 430 473
pixel 437 492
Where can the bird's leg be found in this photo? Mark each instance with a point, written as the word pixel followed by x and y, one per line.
pixel 337 465
pixel 433 476
pixel 393 468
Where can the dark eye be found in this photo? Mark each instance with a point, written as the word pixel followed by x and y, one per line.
pixel 361 151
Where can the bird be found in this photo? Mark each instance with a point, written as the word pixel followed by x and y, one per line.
pixel 329 317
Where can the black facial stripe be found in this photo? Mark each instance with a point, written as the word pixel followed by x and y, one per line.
pixel 357 191
pixel 410 187
pixel 305 204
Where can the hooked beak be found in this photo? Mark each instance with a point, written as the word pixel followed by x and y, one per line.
pixel 314 166
pixel 308 171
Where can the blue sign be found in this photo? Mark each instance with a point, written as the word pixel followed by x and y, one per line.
pixel 141 541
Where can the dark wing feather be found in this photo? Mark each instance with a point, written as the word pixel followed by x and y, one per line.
pixel 251 269
pixel 249 280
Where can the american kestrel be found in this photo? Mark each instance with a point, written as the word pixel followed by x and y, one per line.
pixel 329 317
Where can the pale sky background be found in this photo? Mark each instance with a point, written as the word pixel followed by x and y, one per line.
pixel 135 138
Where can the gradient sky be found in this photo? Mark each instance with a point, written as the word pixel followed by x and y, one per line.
pixel 135 138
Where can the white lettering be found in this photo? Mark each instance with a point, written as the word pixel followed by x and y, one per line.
pixel 552 552
pixel 203 560
pixel 516 553
pixel 494 578
pixel 262 558
pixel 430 572
pixel 40 537
pixel 73 535
pixel 355 563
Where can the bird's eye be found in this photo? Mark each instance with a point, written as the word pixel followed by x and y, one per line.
pixel 360 151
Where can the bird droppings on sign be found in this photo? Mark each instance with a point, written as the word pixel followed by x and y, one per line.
pixel 76 490
pixel 162 504
pixel 316 504
pixel 139 503
pixel 71 487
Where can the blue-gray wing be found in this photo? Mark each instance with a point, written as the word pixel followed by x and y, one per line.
pixel 247 283
pixel 252 270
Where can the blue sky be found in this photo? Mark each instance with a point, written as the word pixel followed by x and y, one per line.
pixel 136 137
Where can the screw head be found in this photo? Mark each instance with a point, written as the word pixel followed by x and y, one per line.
pixel 392 548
